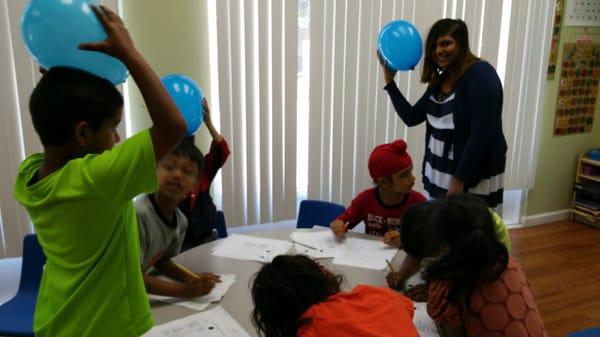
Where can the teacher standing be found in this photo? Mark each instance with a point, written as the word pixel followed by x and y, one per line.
pixel 462 106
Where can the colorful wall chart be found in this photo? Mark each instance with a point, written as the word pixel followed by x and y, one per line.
pixel 558 10
pixel 578 89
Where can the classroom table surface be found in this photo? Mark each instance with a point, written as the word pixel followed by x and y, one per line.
pixel 238 302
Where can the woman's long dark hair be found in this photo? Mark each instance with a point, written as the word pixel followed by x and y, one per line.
pixel 465 58
pixel 285 289
pixel 462 224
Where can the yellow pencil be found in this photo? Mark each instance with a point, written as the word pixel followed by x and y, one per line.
pixel 189 272
pixel 390 266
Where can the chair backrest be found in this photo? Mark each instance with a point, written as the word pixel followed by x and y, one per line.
pixel 316 212
pixel 220 225
pixel 16 315
pixel 33 264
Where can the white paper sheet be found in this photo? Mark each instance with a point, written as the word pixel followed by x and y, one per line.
pixel 317 244
pixel 251 248
pixel 203 302
pixel 215 322
pixel 369 254
pixel 424 324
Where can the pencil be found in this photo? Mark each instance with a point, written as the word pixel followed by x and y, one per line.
pixel 304 245
pixel 390 265
pixel 188 272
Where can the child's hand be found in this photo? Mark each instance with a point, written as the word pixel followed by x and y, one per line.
pixel 395 280
pixel 198 288
pixel 207 118
pixel 118 43
pixel 392 238
pixel 209 276
pixel 418 293
pixel 339 227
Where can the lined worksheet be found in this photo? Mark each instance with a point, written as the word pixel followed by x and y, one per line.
pixel 368 254
pixel 251 248
pixel 317 244
pixel 215 322
pixel 201 303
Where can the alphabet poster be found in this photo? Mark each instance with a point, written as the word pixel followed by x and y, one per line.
pixel 578 89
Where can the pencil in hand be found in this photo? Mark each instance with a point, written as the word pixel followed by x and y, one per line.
pixel 390 266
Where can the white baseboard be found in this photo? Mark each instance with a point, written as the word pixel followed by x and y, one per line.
pixel 543 218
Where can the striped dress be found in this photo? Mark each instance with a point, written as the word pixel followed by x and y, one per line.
pixel 464 137
pixel 439 163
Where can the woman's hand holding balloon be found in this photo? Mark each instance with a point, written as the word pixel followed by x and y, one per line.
pixel 388 73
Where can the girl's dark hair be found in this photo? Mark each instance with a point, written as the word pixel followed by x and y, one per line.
pixel 419 229
pixel 464 225
pixel 459 32
pixel 66 96
pixel 285 289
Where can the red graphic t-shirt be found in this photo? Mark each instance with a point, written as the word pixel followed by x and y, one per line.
pixel 378 217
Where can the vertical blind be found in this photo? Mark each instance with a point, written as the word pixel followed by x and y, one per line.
pixel 257 84
pixel 349 112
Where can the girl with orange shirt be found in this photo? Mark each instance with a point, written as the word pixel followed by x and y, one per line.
pixel 295 296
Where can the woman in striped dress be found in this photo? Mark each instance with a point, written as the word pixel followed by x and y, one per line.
pixel 462 106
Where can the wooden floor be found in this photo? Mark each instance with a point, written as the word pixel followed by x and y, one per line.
pixel 562 263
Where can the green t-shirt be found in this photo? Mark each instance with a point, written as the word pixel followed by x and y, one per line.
pixel 85 220
pixel 501 231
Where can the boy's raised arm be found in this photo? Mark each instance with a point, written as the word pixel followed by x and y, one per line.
pixel 168 126
pixel 216 136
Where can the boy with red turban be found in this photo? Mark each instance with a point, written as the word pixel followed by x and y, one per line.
pixel 381 207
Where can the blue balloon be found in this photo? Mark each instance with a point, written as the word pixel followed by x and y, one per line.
pixel 188 98
pixel 400 45
pixel 53 30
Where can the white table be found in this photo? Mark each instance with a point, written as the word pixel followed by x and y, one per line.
pixel 10 275
pixel 238 301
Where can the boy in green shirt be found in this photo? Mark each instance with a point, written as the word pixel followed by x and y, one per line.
pixel 79 192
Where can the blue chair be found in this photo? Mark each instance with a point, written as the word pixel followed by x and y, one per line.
pixel 591 332
pixel 220 225
pixel 316 212
pixel 16 315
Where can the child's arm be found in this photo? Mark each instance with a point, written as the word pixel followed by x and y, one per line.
pixel 177 272
pixel 219 150
pixel 168 126
pixel 157 286
pixel 410 266
pixel 216 136
pixel 392 238
pixel 339 227
pixel 353 215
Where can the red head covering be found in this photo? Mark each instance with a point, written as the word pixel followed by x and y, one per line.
pixel 387 159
